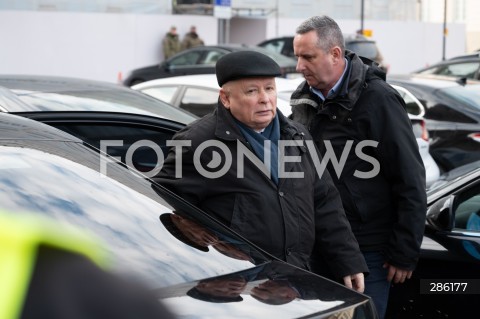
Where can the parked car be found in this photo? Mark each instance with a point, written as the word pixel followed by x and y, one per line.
pixel 202 60
pixel 446 282
pixel 35 93
pixel 464 66
pixel 198 94
pixel 357 43
pixel 452 116
pixel 98 113
pixel 150 233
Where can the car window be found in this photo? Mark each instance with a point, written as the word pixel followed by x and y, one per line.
pixel 199 101
pixel 465 69
pixel 64 181
pixel 464 96
pixel 141 147
pixel 212 57
pixel 163 93
pixel 445 113
pixel 275 46
pixel 187 58
pixel 467 211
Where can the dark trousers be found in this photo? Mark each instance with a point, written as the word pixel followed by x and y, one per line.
pixel 376 285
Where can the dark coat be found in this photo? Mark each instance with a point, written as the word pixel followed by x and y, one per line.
pixel 191 40
pixel 289 220
pixel 387 212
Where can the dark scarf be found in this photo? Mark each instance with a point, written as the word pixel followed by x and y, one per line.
pixel 256 140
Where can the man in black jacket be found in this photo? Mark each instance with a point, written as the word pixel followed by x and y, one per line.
pixel 254 170
pixel 359 123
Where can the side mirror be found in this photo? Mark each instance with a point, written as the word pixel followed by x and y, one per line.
pixel 440 215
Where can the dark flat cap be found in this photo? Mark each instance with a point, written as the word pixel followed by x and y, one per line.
pixel 245 64
pixel 166 220
pixel 197 294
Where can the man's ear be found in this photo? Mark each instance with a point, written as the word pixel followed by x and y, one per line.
pixel 224 98
pixel 336 54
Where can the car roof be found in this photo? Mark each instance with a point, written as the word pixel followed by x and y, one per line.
pixel 206 80
pixel 454 60
pixel 244 47
pixel 474 56
pixel 424 80
pixel 46 83
pixel 52 93
pixel 210 80
pixel 347 37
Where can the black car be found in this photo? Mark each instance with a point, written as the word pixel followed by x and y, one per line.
pixel 452 116
pixel 446 282
pixel 464 66
pixel 36 93
pixel 108 116
pixel 359 44
pixel 202 60
pixel 154 236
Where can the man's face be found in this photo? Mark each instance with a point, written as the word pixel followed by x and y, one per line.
pixel 252 101
pixel 316 65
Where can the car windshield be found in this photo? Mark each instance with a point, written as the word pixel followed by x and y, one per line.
pixel 468 95
pixel 126 211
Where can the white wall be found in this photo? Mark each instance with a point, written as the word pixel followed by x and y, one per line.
pixel 88 45
pixel 101 45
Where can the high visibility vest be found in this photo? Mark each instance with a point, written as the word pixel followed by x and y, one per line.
pixel 20 237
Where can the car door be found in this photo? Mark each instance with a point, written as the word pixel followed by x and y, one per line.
pixel 136 140
pixel 446 282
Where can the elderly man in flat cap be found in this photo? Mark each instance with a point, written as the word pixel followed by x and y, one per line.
pixel 254 170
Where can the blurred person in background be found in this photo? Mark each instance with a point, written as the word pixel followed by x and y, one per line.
pixel 191 39
pixel 171 43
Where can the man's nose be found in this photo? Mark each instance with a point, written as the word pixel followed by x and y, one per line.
pixel 300 65
pixel 264 96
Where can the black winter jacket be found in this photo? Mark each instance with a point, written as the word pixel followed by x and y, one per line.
pixel 386 210
pixel 297 218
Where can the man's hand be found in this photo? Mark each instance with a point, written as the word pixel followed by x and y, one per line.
pixel 355 282
pixel 398 275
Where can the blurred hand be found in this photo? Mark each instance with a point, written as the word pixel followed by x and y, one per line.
pixel 355 282
pixel 227 287
pixel 398 275
pixel 230 251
